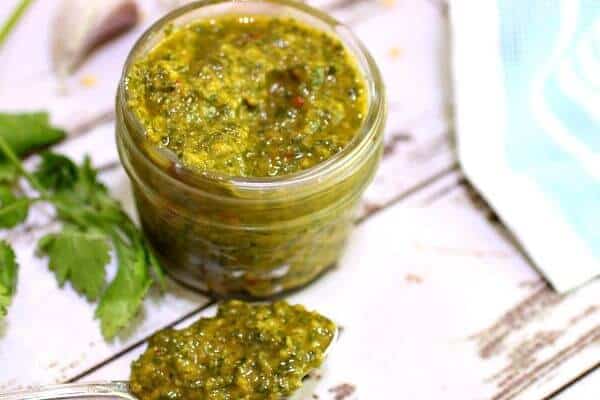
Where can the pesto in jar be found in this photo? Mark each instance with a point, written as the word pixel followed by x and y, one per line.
pixel 231 98
pixel 249 96
pixel 246 352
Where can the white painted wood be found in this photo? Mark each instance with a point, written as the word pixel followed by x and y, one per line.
pixel 50 335
pixel 586 389
pixel 558 341
pixel 413 289
pixel 421 282
pixel 409 41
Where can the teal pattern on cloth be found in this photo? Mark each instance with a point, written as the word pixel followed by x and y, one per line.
pixel 550 51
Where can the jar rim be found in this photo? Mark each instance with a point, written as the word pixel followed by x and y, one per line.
pixel 354 149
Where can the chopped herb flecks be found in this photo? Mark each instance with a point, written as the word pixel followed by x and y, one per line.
pixel 248 96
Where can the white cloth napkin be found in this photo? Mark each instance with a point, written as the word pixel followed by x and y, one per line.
pixel 527 93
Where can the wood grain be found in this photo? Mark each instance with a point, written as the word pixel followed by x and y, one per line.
pixel 585 385
pixel 453 318
pixel 86 112
pixel 543 341
pixel 469 312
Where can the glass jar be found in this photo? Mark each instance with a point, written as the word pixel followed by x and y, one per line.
pixel 255 237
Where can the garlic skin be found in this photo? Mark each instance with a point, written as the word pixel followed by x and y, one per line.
pixel 81 26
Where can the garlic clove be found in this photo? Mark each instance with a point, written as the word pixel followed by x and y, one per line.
pixel 81 26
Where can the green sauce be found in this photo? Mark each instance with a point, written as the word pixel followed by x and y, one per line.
pixel 250 96
pixel 246 352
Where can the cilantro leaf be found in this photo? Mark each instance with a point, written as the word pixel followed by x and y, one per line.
pixel 92 219
pixel 8 276
pixel 26 132
pixel 8 172
pixel 124 295
pixel 56 172
pixel 87 204
pixel 13 210
pixel 79 257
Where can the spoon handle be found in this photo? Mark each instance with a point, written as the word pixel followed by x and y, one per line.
pixel 114 389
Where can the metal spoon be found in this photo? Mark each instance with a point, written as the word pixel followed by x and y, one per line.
pixel 115 390
pixel 96 390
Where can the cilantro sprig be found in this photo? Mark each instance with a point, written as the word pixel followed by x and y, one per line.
pixel 8 276
pixel 8 25
pixel 92 223
pixel 25 133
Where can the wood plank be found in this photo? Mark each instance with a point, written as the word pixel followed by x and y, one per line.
pixel 586 388
pixel 412 54
pixel 541 341
pixel 408 162
pixel 545 340
pixel 436 303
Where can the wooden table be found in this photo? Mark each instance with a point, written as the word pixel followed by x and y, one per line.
pixel 436 299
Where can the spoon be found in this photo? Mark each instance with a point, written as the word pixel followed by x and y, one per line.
pixel 96 390
pixel 114 390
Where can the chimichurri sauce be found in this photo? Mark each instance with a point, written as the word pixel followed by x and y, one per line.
pixel 246 352
pixel 251 96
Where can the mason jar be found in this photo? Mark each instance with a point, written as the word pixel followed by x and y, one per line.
pixel 249 237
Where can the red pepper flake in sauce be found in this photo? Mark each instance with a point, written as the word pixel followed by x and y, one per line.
pixel 298 101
